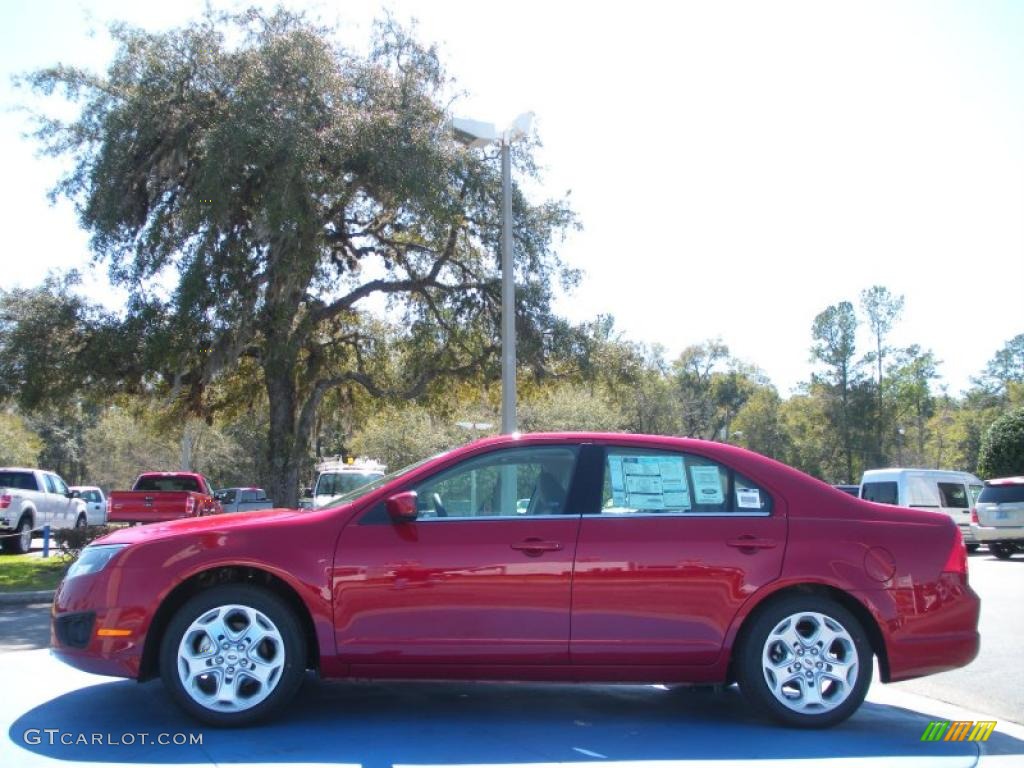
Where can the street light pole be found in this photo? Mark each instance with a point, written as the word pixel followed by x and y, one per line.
pixel 473 133
pixel 508 297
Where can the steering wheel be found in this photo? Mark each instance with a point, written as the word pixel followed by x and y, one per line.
pixel 438 506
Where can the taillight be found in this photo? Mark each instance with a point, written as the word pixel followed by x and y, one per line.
pixel 974 517
pixel 5 501
pixel 956 563
pixel 110 506
pixel 190 504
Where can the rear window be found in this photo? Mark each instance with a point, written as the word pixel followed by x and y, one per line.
pixel 883 493
pixel 1002 494
pixel 160 483
pixel 24 481
pixel 338 483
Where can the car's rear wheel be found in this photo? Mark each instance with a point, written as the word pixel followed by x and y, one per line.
pixel 806 661
pixel 1002 551
pixel 232 655
pixel 20 542
pixel 972 548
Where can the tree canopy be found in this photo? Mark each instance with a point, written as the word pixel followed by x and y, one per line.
pixel 256 188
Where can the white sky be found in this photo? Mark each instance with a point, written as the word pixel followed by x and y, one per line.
pixel 736 166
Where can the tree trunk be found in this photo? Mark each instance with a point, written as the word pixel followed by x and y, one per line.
pixel 285 447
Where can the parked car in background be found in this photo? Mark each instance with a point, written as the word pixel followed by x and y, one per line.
pixel 160 496
pixel 95 503
pixel 999 516
pixel 951 493
pixel 852 490
pixel 671 560
pixel 242 499
pixel 336 477
pixel 30 499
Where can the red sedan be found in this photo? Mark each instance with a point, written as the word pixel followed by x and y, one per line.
pixel 635 559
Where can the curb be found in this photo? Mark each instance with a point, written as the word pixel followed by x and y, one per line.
pixel 24 598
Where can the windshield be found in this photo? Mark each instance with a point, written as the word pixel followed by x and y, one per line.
pixel 337 483
pixel 362 490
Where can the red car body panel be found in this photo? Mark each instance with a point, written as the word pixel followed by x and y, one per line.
pixel 151 506
pixel 580 596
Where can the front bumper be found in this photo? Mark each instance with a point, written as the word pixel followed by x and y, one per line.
pixel 76 618
pixel 984 534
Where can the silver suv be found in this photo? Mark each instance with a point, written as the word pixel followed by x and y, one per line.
pixel 999 516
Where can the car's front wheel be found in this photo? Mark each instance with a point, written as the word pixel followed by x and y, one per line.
pixel 232 655
pixel 806 661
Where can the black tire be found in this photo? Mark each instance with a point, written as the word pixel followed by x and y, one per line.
pixel 81 522
pixel 972 548
pixel 750 672
pixel 1002 551
pixel 279 614
pixel 13 544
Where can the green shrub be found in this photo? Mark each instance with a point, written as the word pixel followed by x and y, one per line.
pixel 1002 447
pixel 71 541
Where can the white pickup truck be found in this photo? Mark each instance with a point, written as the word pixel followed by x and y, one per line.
pixel 32 498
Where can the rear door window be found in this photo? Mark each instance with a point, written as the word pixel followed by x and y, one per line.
pixel 954 495
pixel 881 492
pixel 642 481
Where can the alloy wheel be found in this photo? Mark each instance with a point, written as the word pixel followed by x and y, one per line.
pixel 810 662
pixel 231 658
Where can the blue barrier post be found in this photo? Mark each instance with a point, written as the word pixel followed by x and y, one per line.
pixel 46 541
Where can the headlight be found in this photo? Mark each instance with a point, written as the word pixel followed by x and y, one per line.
pixel 93 559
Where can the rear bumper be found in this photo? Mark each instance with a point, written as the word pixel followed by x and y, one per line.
pixel 929 628
pixel 984 534
pixel 967 533
pixel 916 657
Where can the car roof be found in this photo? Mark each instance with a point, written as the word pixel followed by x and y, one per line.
pixel 896 472
pixel 1019 480
pixel 84 488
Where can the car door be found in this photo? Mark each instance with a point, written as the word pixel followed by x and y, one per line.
pixel 674 546
pixel 473 580
pixel 64 508
pixel 50 505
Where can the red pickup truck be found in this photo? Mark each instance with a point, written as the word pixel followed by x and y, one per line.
pixel 160 496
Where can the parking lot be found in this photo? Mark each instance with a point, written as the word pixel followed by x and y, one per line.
pixel 421 724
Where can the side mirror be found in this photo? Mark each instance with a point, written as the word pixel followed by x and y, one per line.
pixel 402 507
pixel 73 494
pixel 307 492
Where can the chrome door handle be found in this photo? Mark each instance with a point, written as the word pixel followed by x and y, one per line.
pixel 535 547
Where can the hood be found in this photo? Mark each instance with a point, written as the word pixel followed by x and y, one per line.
pixel 207 524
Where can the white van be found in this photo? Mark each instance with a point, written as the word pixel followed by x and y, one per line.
pixel 954 493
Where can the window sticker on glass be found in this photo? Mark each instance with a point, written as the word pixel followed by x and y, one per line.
pixel 648 482
pixel 748 498
pixel 707 484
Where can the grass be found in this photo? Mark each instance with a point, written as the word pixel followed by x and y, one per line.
pixel 27 573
